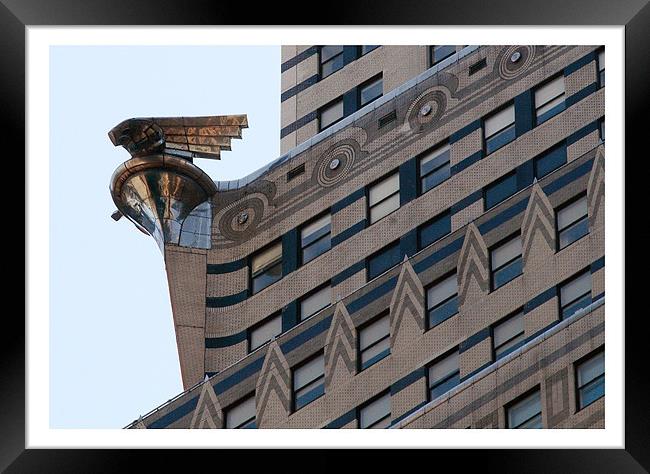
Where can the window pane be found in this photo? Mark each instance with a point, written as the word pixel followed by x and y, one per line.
pixel 441 291
pixel 506 252
pixel 574 232
pixel 572 213
pixel 266 331
pixel 550 161
pixel 551 109
pixel 500 191
pixel 433 179
pixel 444 387
pixel 308 372
pixel 440 52
pixel 384 188
pixel 571 309
pixel 331 66
pixel 317 248
pixel 241 414
pixel 508 329
pixel 307 233
pixel 443 368
pixel 575 288
pixel 315 302
pixel 367 49
pixel 375 353
pixel 375 411
pixel 591 369
pixel 443 312
pixel 384 208
pixel 601 60
pixel 381 262
pixel 331 114
pixel 267 257
pixel 499 121
pixel 592 391
pixel 507 273
pixel 268 277
pixel 499 139
pixel 524 410
pixel 434 158
pixel 549 91
pixel 374 332
pixel 434 230
pixel 370 92
pixel 328 52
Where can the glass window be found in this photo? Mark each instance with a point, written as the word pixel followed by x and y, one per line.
pixel 434 167
pixel 374 341
pixel 508 335
pixel 499 129
pixel 505 262
pixel 526 413
pixel 435 229
pixel 549 161
pixel 383 197
pixel 241 414
pixel 316 301
pixel 575 294
pixel 266 267
pixel 315 238
pixel 500 190
pixel 439 52
pixel 331 60
pixel 376 414
pixel 572 222
pixel 602 129
pixel 442 300
pixel 549 99
pixel 367 49
pixel 370 91
pixel 331 114
pixel 591 380
pixel 601 67
pixel 309 381
pixel 444 375
pixel 387 258
pixel 264 332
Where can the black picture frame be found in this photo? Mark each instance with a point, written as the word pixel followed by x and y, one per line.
pixel 633 14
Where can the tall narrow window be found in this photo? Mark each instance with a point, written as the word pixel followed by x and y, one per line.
pixel 264 332
pixel 386 258
pixel 443 375
pixel 572 222
pixel 601 127
pixel 439 52
pixel 499 129
pixel 383 197
pixel 506 262
pixel 442 300
pixel 434 229
pixel 526 413
pixel 601 67
pixel 331 60
pixel 330 114
pixel 374 341
pixel 376 414
pixel 371 90
pixel 500 190
pixel 508 335
pixel 315 238
pixel 241 414
pixel 266 267
pixel 549 161
pixel 316 301
pixel 309 381
pixel 434 167
pixel 549 99
pixel 591 380
pixel 575 294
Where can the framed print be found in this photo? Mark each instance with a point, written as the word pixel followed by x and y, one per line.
pixel 331 238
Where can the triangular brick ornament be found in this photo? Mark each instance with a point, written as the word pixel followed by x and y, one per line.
pixel 273 390
pixel 340 348
pixel 596 191
pixel 473 267
pixel 208 413
pixel 538 228
pixel 406 306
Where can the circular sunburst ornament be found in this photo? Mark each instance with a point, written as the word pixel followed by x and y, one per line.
pixel 426 110
pixel 335 163
pixel 515 60
pixel 241 218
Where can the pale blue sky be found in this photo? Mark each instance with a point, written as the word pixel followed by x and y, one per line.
pixel 112 345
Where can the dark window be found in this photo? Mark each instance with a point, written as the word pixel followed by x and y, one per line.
pixel 526 413
pixel 439 52
pixel 443 375
pixel 266 267
pixel 591 379
pixel 549 99
pixel 331 60
pixel 508 335
pixel 477 66
pixel 315 301
pixel 442 300
pixel 330 114
pixel 367 49
pixel 601 127
pixel 371 90
pixel 315 238
pixel 309 381
pixel 500 190
pixel 434 229
pixel 505 262
pixel 264 332
pixel 572 222
pixel 376 413
pixel 383 197
pixel 374 341
pixel 499 129
pixel 297 171
pixel 386 258
pixel 434 167
pixel 575 294
pixel 241 414
pixel 601 67
pixel 549 161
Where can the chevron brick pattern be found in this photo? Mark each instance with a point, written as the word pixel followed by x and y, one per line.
pixel 473 267
pixel 340 348
pixel 406 306
pixel 208 413
pixel 596 191
pixel 539 221
pixel 273 390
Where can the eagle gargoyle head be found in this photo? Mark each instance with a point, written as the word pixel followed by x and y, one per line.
pixel 139 136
